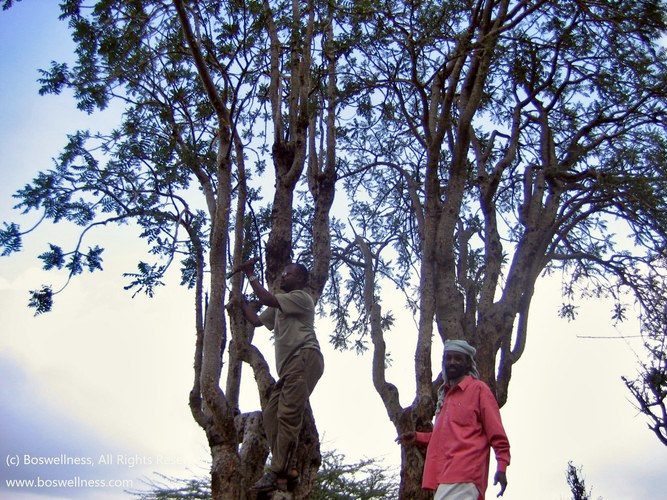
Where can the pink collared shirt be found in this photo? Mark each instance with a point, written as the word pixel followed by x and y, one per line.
pixel 459 446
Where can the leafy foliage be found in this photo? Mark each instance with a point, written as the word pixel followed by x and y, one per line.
pixel 41 300
pixel 577 484
pixel 649 386
pixel 141 171
pixel 336 480
pixel 167 488
pixel 146 280
pixel 492 143
pixel 362 480
pixel 10 239
pixel 6 4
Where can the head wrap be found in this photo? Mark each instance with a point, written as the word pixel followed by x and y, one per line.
pixel 456 346
pixel 460 346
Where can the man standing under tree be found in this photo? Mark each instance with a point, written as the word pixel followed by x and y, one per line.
pixel 291 316
pixel 467 424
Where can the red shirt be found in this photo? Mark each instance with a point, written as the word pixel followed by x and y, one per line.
pixel 459 446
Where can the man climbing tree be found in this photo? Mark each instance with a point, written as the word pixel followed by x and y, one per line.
pixel 291 316
pixel 196 79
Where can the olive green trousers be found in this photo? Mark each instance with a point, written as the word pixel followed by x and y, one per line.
pixel 283 414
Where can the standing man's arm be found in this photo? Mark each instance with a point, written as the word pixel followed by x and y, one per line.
pixel 412 437
pixel 495 432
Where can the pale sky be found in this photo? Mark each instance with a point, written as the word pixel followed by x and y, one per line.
pixel 104 378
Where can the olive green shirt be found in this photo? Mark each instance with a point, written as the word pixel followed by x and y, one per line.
pixel 293 325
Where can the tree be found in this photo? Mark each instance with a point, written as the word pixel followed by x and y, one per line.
pixel 481 145
pixel 197 80
pixel 577 484
pixel 494 142
pixel 362 480
pixel 336 480
pixel 649 387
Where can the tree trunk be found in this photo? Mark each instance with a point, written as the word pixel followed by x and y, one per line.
pixel 254 450
pixel 225 484
pixel 308 457
pixel 412 465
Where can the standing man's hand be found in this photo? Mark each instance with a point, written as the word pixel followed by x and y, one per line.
pixel 407 438
pixel 500 478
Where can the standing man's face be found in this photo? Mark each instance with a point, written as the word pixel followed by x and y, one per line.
pixel 457 365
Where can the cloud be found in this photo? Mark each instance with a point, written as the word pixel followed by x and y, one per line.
pixel 96 390
pixel 40 442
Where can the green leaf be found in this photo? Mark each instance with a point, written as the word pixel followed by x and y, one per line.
pixel 146 280
pixel 54 258
pixel 10 239
pixel 94 258
pixel 41 300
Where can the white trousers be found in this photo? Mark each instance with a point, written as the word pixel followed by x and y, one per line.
pixel 456 491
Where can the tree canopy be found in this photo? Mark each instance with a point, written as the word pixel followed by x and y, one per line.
pixel 494 142
pixel 477 145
